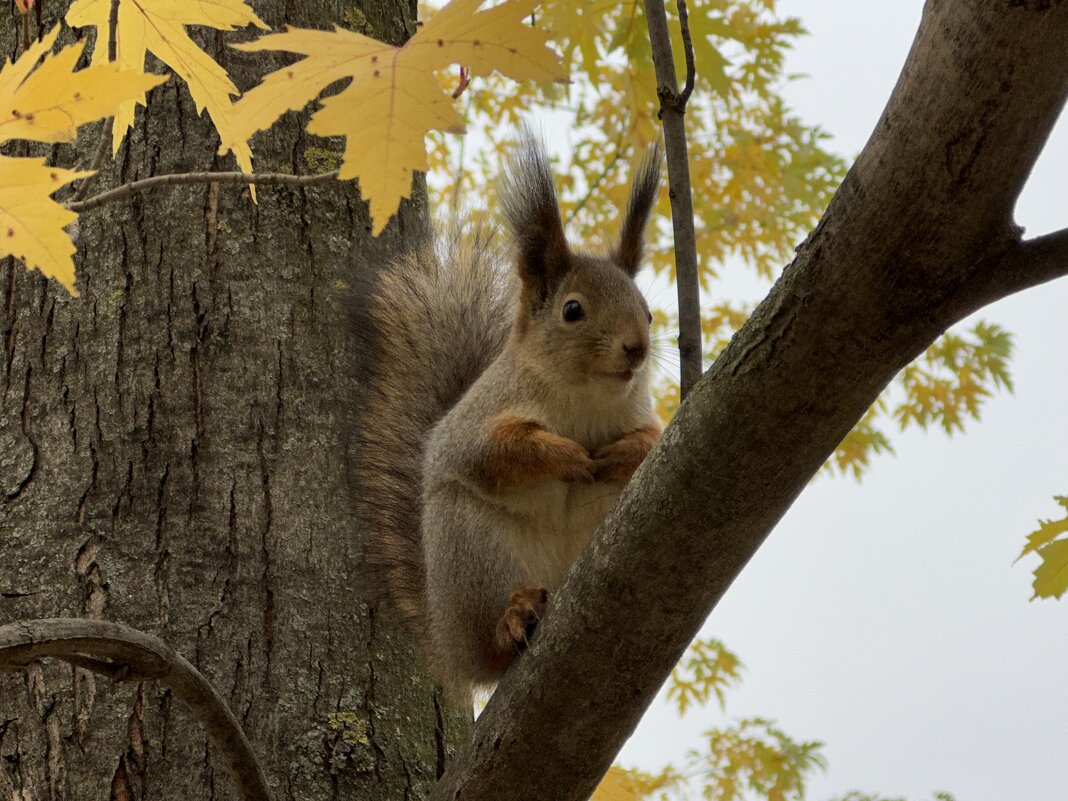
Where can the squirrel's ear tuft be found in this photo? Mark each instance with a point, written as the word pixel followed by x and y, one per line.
pixel 528 197
pixel 643 194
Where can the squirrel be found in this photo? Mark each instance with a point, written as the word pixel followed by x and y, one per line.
pixel 505 411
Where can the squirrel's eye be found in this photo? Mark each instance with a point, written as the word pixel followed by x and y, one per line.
pixel 650 314
pixel 573 311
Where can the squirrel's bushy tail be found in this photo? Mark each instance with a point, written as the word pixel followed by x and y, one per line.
pixel 438 317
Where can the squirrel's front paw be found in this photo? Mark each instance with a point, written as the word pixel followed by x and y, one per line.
pixel 616 462
pixel 571 462
pixel 521 451
pixel 526 606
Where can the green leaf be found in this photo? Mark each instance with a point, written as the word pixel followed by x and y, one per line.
pixel 1047 531
pixel 1051 576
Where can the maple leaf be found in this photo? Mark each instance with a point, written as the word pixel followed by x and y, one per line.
pixel 707 669
pixel 31 222
pixel 48 103
pixel 393 99
pixel 158 26
pixel 1051 577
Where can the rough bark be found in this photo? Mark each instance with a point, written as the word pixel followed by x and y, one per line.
pixel 125 654
pixel 175 454
pixel 920 234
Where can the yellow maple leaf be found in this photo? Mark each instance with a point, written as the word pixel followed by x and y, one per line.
pixel 158 26
pixel 393 99
pixel 50 103
pixel 31 222
pixel 47 103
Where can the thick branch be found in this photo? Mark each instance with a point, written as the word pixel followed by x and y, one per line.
pixel 896 259
pixel 122 653
pixel 1034 262
pixel 672 115
pixel 185 178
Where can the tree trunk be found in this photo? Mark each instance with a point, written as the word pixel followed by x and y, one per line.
pixel 175 454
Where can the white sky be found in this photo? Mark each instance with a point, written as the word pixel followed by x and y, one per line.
pixel 887 618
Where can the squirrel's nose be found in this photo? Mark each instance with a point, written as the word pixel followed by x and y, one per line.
pixel 635 353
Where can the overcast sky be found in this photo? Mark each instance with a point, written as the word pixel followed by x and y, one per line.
pixel 887 618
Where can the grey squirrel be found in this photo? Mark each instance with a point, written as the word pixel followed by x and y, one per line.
pixel 504 413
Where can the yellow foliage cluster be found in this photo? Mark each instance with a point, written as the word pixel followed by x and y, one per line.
pixel 392 99
pixel 749 758
pixel 762 176
pixel 47 102
pixel 158 27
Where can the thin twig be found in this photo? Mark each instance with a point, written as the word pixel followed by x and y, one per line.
pixel 113 31
pixel 22 148
pixel 458 181
pixel 123 653
pixel 672 116
pixel 183 178
pixel 687 46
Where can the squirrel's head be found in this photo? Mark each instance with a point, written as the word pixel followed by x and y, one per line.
pixel 580 313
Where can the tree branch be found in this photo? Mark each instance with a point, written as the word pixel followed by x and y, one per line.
pixel 1022 266
pixel 687 50
pixel 126 190
pixel 672 115
pixel 890 266
pixel 123 654
pixel 1035 262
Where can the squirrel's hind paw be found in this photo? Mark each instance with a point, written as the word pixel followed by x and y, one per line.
pixel 525 608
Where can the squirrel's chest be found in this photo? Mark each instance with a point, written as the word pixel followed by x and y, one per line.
pixel 547 525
